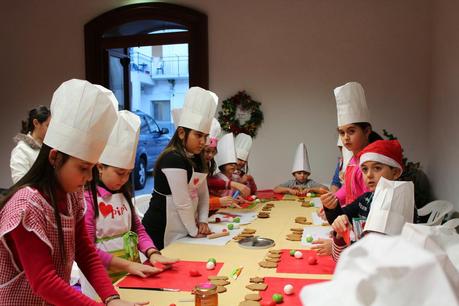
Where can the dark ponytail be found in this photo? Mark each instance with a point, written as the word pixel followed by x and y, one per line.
pixel 373 135
pixel 41 113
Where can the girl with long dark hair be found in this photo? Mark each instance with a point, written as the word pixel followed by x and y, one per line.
pixel 180 202
pixel 42 225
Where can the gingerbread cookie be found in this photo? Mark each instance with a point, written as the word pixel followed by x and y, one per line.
pixel 273 255
pixel 221 289
pixel 272 259
pixel 257 287
pixel 248 231
pixel 266 209
pixel 257 279
pixel 249 303
pixel 214 277
pixel 275 251
pixel 263 215
pixel 267 264
pixel 219 282
pixel 293 237
pixel 302 220
pixel 253 297
pixel 297 229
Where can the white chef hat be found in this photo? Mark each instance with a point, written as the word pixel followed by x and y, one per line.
pixel 392 206
pixel 198 110
pixel 301 161
pixel 226 151
pixel 176 112
pixel 243 144
pixel 215 130
pixel 122 145
pixel 381 270
pixel 83 116
pixel 351 104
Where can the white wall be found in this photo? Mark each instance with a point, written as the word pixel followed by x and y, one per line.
pixel 287 54
pixel 444 109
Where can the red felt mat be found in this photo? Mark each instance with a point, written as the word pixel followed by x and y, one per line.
pixel 269 193
pixel 290 264
pixel 176 278
pixel 276 285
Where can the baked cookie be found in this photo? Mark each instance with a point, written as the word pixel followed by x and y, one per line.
pixel 221 289
pixel 219 282
pixel 293 237
pixel 253 297
pixel 257 279
pixel 249 303
pixel 263 214
pixel 272 259
pixel 267 264
pixel 257 287
pixel 249 231
pixel 214 277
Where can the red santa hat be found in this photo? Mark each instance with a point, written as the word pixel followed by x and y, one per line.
pixel 387 152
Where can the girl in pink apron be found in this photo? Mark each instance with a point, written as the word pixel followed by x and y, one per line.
pixel 111 218
pixel 42 227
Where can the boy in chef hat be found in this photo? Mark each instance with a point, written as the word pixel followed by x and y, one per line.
pixel 301 184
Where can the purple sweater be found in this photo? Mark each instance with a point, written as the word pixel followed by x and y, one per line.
pixel 145 241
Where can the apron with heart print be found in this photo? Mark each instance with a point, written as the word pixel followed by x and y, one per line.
pixel 113 230
pixel 113 235
pixel 175 228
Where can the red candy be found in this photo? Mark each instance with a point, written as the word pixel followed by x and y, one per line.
pixel 194 273
pixel 268 303
pixel 172 305
pixel 224 230
pixel 312 260
pixel 218 220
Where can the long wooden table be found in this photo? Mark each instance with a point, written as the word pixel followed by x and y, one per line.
pixel 232 255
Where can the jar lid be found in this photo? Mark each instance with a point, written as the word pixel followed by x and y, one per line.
pixel 206 287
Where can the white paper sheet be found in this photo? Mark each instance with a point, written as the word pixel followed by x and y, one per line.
pixel 316 232
pixel 224 214
pixel 317 203
pixel 217 228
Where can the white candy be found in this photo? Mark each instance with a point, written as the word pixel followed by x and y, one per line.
pixel 288 289
pixel 236 225
pixel 210 265
pixel 298 254
pixel 230 219
pixel 308 194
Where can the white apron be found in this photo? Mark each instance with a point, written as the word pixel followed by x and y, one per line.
pixel 114 235
pixel 175 228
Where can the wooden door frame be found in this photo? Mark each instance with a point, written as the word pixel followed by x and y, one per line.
pixel 96 56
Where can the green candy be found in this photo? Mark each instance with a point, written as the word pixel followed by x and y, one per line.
pixel 292 252
pixel 230 226
pixel 278 298
pixel 237 220
pixel 212 260
pixel 309 238
pixel 311 204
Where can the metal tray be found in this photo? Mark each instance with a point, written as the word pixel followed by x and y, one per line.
pixel 256 243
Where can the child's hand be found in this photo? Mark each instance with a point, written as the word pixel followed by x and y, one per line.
pixel 125 303
pixel 245 191
pixel 203 228
pixel 321 214
pixel 293 191
pixel 141 270
pixel 226 201
pixel 322 246
pixel 167 261
pixel 329 200
pixel 340 224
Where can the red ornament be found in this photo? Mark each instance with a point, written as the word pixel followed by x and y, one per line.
pixel 312 260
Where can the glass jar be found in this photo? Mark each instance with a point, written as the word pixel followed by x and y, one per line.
pixel 206 295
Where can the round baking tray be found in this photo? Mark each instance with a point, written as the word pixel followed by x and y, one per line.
pixel 256 243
